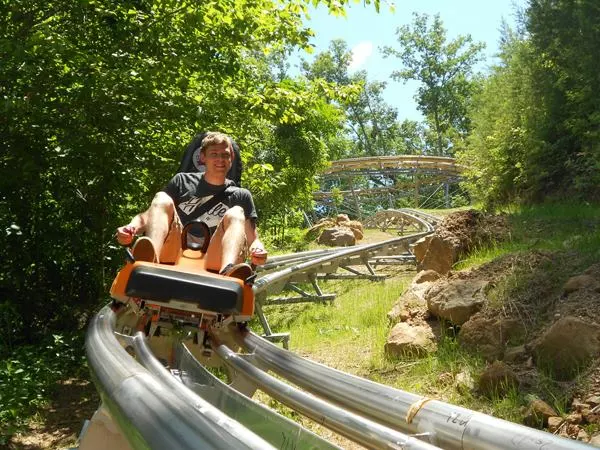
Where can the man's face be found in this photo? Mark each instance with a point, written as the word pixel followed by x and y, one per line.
pixel 217 159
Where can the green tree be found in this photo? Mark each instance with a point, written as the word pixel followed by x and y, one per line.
pixel 535 124
pixel 372 123
pixel 99 98
pixel 444 70
pixel 564 36
pixel 504 115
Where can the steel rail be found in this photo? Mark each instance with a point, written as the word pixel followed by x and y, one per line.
pixel 277 280
pixel 271 426
pixel 145 408
pixel 418 218
pixel 232 433
pixel 394 162
pixel 450 427
pixel 363 431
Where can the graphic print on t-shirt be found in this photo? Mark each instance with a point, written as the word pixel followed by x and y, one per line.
pixel 190 205
pixel 211 217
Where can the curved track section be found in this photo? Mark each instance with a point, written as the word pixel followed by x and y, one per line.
pixel 150 409
pixel 400 163
pixel 448 426
pixel 188 407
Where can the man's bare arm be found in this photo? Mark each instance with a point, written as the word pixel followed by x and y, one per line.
pixel 258 253
pixel 137 225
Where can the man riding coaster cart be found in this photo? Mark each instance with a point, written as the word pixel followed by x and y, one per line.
pixel 189 267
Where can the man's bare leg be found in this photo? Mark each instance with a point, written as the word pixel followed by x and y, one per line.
pixel 159 217
pixel 228 243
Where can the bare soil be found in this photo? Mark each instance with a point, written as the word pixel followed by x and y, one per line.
pixel 57 426
pixel 529 287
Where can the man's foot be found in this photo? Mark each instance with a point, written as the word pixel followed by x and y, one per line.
pixel 143 250
pixel 242 271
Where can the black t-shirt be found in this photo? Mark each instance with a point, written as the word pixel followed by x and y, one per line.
pixel 189 191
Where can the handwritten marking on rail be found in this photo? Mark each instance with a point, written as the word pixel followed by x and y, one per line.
pixel 526 441
pixel 459 419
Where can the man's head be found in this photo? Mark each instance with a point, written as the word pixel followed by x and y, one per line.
pixel 216 153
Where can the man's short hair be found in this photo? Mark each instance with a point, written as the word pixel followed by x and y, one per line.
pixel 215 138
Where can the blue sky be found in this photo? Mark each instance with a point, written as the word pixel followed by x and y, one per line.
pixel 366 31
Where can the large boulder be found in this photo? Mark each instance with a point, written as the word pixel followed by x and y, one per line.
pixel 456 300
pixel 489 335
pixel 567 346
pixel 335 232
pixel 419 248
pixel 456 235
pixel 406 340
pixel 337 237
pixel 412 303
pixel 435 253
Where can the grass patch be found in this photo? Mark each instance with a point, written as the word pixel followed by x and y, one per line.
pixel 355 323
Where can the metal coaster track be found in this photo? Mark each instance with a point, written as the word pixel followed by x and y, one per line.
pixel 188 407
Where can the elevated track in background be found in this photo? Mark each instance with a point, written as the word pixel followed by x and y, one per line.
pixel 160 394
pixel 356 186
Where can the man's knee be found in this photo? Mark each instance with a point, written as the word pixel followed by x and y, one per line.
pixel 163 201
pixel 233 215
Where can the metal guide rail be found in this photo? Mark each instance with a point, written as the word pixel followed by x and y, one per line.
pixel 147 409
pixel 448 426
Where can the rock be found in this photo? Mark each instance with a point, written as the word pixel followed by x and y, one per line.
pixel 426 275
pixel 595 440
pixel 484 336
pixel 456 300
pixel 497 379
pixel 593 400
pixel 554 423
pixel 356 227
pixel 341 218
pixel 405 339
pixel 440 256
pixel 583 436
pixel 592 417
pixel 574 418
pixel 578 406
pixel 337 237
pixel 409 305
pixel 445 378
pixel 358 234
pixel 419 248
pixel 567 346
pixel 580 282
pixel 516 354
pixel 538 413
pixel 571 430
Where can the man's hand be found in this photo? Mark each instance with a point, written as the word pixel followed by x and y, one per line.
pixel 125 234
pixel 258 254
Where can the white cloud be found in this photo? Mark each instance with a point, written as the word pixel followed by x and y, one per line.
pixel 360 53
